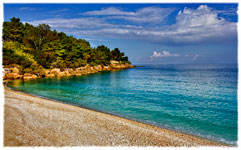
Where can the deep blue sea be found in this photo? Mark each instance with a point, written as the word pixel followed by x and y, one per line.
pixel 195 99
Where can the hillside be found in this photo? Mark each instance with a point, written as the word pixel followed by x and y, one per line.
pixel 33 50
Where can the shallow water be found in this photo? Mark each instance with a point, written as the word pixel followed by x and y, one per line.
pixel 195 99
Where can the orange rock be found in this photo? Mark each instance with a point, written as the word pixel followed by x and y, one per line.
pixel 15 70
pixel 28 76
pixel 12 76
pixel 55 71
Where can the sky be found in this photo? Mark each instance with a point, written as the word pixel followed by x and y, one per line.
pixel 147 33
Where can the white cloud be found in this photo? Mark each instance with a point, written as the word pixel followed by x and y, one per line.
pixel 200 25
pixel 91 39
pixel 228 12
pixel 202 16
pixel 107 11
pixel 163 54
pixel 26 8
pixel 95 27
pixel 152 15
pixel 191 26
pixel 195 26
pixel 75 23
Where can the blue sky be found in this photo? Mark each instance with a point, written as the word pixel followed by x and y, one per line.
pixel 147 33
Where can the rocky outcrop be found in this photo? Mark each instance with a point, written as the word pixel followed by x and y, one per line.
pixel 14 73
pixel 11 73
pixel 119 65
pixel 55 71
pixel 15 70
pixel 28 76
pixel 12 76
pixel 107 68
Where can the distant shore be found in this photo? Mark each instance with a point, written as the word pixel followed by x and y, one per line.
pixel 34 121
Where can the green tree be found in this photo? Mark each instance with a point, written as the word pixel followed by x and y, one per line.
pixel 34 48
pixel 13 31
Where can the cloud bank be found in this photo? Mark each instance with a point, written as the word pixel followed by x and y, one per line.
pixel 149 15
pixel 191 26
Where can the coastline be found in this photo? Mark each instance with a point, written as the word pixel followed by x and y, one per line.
pixel 35 121
pixel 14 73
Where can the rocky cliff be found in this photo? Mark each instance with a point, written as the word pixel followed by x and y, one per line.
pixel 14 73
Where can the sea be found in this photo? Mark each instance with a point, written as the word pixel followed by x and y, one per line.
pixel 197 99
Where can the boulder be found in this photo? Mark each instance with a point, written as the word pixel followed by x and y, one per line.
pixel 61 74
pixel 46 72
pixel 78 74
pixel 71 71
pixel 7 70
pixel 11 73
pixel 87 66
pixel 28 76
pixel 107 68
pixel 114 62
pixel 50 75
pixel 97 68
pixel 12 76
pixel 15 70
pixel 55 71
pixel 84 72
pixel 78 71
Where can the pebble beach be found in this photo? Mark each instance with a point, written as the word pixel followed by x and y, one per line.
pixel 34 121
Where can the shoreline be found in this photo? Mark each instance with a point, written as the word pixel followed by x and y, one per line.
pixel 106 113
pixel 14 73
pixel 162 136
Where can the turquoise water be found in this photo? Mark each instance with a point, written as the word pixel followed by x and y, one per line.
pixel 195 99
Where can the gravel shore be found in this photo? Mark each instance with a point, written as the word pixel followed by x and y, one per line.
pixel 34 121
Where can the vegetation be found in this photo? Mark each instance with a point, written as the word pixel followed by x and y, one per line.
pixel 34 48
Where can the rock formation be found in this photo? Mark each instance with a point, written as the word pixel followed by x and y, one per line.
pixel 14 73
